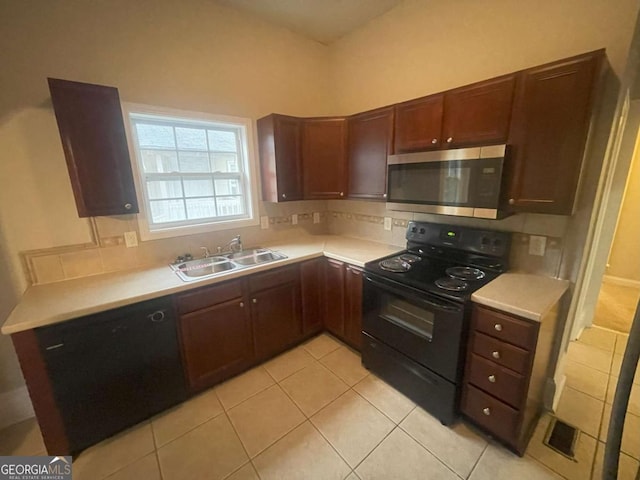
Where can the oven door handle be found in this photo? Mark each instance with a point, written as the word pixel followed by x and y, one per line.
pixel 431 302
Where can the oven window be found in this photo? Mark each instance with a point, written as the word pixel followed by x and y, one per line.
pixel 406 315
pixel 433 183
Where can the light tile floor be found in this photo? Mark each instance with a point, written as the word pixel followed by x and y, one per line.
pixel 315 413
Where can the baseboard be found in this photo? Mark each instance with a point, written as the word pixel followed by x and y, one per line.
pixel 15 406
pixel 623 282
pixel 558 393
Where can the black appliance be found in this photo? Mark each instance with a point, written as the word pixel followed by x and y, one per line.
pixel 113 369
pixel 463 182
pixel 416 308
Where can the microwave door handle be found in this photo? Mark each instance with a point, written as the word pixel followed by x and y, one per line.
pixel 431 302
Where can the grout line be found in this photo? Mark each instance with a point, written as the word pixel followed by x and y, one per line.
pixel 478 460
pixel 331 445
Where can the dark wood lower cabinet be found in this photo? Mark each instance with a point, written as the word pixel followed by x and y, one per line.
pixel 313 298
pixel 353 310
pixel 334 282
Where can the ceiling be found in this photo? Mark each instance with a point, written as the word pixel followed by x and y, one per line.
pixel 322 20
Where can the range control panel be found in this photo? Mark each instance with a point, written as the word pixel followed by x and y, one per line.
pixel 487 242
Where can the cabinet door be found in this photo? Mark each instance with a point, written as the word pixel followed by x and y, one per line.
pixel 324 157
pixel 334 312
pixel 551 117
pixel 217 342
pixel 95 147
pixel 280 158
pixel 353 307
pixel 275 314
pixel 418 124
pixel 479 113
pixel 370 141
pixel 311 274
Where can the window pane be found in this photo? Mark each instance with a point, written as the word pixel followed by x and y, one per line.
pixel 201 207
pixel 200 187
pixel 230 206
pixel 222 140
pixel 160 136
pixel 228 187
pixel 191 138
pixel 163 211
pixel 164 189
pixel 159 161
pixel 224 162
pixel 194 162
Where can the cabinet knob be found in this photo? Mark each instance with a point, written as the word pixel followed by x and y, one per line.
pixel 495 354
pixel 486 411
pixel 492 378
pixel 127 206
pixel 434 141
pixel 254 300
pixel 342 194
pixel 498 327
pixel 384 195
pixel 512 201
pixel 241 304
pixel 450 139
pixel 284 195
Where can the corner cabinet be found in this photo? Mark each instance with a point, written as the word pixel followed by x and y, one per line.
pixel 279 138
pixel 324 158
pixel 370 141
pixel 549 128
pixel 95 147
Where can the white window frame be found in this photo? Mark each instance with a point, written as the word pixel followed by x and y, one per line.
pixel 248 160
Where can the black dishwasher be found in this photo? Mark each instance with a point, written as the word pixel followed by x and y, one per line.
pixel 113 369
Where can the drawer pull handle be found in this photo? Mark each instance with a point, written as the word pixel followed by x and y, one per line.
pixel 486 411
pixel 498 327
pixel 495 354
pixel 241 304
pixel 492 378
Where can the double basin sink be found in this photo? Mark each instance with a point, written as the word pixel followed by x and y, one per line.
pixel 218 264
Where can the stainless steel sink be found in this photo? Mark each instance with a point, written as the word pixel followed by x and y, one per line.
pixel 219 264
pixel 255 256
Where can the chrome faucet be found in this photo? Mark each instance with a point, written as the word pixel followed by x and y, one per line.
pixel 235 245
pixel 205 252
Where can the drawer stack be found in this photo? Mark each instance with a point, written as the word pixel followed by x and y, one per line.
pixel 500 360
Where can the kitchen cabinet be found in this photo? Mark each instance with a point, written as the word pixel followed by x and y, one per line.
pixel 418 124
pixel 506 372
pixel 343 308
pixel 313 297
pixel 217 338
pixel 370 137
pixel 275 310
pixel 324 157
pixel 279 140
pixel 549 127
pixel 95 147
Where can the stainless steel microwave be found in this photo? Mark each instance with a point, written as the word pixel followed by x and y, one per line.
pixel 464 182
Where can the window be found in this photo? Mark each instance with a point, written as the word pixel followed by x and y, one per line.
pixel 194 172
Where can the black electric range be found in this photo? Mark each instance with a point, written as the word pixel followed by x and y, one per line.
pixel 416 307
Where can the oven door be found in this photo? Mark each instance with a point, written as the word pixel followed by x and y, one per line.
pixel 425 328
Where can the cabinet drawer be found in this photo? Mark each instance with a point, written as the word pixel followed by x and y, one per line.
pixel 490 413
pixel 208 296
pixel 504 327
pixel 273 278
pixel 501 353
pixel 500 382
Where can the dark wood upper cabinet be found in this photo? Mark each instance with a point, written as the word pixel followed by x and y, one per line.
pixel 549 127
pixel 370 141
pixel 324 157
pixel 95 147
pixel 279 139
pixel 418 124
pixel 479 113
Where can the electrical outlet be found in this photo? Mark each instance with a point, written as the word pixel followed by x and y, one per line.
pixel 537 245
pixel 387 223
pixel 294 219
pixel 130 239
pixel 316 217
pixel 264 222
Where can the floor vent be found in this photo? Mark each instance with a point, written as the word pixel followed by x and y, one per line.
pixel 562 437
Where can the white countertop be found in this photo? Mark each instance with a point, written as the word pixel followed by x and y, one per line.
pixel 526 295
pixel 56 302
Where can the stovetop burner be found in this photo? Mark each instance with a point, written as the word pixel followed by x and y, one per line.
pixel 395 264
pixel 465 273
pixel 452 284
pixel 409 258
